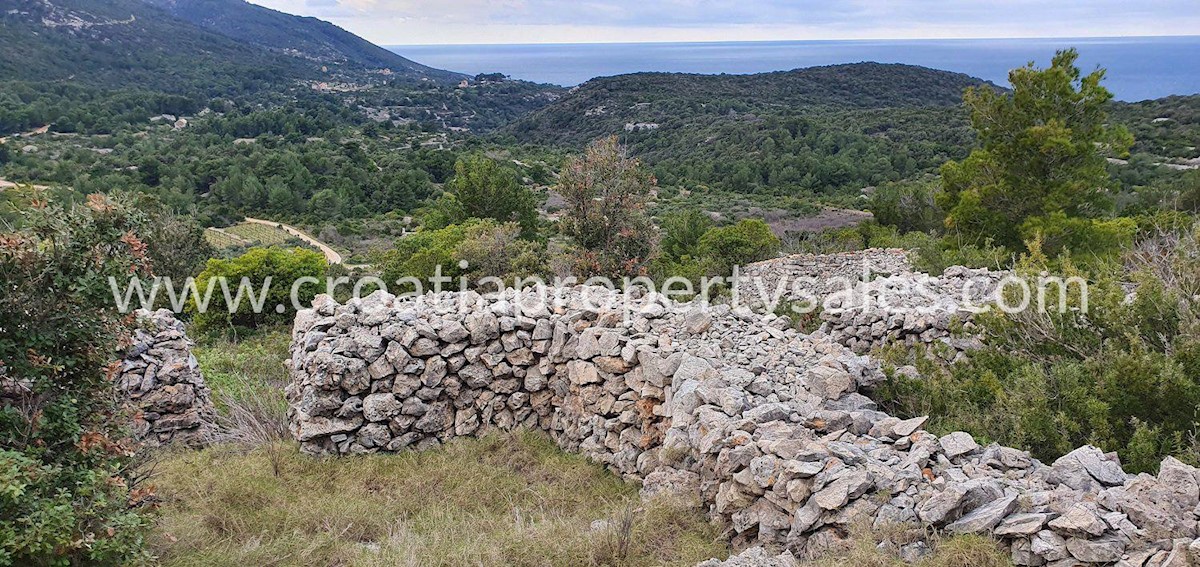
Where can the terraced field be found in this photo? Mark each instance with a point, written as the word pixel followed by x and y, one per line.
pixel 248 234
pixel 261 234
pixel 258 232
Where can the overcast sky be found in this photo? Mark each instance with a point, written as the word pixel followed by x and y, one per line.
pixel 392 22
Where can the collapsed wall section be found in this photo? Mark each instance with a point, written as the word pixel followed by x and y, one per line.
pixel 767 428
pixel 871 298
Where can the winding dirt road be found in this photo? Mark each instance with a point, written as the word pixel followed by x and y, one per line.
pixel 332 256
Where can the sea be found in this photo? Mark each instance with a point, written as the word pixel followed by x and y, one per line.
pixel 1138 68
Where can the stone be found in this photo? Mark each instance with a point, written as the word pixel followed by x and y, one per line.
pixel 1022 524
pixel 697 321
pixel 582 373
pixel 829 383
pixel 1049 546
pixel 380 407
pixel 316 427
pixel 1079 519
pixel 683 485
pixel 806 517
pixel 1087 466
pixel 840 491
pixel 985 517
pixel 1095 551
pixel 957 444
pixel 909 426
pixel 453 332
pixel 695 369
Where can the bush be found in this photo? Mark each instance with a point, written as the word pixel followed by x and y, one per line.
pixel 484 189
pixel 1124 376
pixel 748 240
pixel 909 207
pixel 605 216
pixel 420 254
pixel 496 250
pixel 486 247
pixel 232 304
pixel 68 494
pixel 681 233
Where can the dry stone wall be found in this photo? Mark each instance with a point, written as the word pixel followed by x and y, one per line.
pixel 767 428
pixel 161 381
pixel 873 297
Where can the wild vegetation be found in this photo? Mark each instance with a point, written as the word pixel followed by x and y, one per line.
pixel 647 174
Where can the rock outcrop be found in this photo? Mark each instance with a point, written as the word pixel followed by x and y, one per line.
pixel 769 429
pixel 161 381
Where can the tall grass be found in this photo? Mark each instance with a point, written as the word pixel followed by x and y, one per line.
pixel 247 379
pixel 512 499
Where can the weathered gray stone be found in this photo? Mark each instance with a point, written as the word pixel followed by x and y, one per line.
pixel 985 517
pixel 1022 524
pixel 1095 551
pixel 1080 519
pixel 380 407
pixel 957 444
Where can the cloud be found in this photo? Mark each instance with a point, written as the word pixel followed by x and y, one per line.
pixel 526 21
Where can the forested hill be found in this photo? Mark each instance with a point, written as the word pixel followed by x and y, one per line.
pixel 304 37
pixel 823 130
pixel 128 44
pixel 174 44
pixel 605 105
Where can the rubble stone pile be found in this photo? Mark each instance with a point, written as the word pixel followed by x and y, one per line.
pixel 161 380
pixel 914 308
pixel 820 275
pixel 769 429
pixel 871 298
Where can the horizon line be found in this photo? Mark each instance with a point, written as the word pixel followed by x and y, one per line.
pixel 667 42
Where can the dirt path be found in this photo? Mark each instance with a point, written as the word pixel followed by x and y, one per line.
pixel 6 184
pixel 332 256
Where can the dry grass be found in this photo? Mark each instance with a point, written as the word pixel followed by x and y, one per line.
pixel 502 500
pixel 861 550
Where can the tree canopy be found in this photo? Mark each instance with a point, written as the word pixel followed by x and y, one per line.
pixel 1040 159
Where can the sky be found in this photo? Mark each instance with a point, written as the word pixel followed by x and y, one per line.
pixel 407 22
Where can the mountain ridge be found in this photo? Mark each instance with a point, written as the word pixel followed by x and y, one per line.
pixel 605 105
pixel 306 37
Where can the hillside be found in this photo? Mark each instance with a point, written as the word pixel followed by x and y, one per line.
pixel 303 37
pixel 821 130
pixel 92 66
pixel 604 105
pixel 129 44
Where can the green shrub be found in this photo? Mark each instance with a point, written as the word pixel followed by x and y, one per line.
pixel 1124 376
pixel 681 232
pixel 65 467
pixel 419 254
pixel 748 240
pixel 482 188
pixel 249 274
pixel 485 247
pixel 909 207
